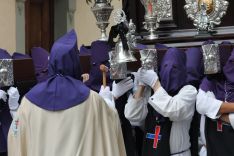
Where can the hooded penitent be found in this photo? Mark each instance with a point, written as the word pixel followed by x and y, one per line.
pixel 99 55
pixel 63 88
pixel 220 143
pixel 5 116
pixel 173 70
pixel 218 86
pixel 40 61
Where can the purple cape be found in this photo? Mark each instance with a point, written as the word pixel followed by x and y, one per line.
pixel 40 59
pixel 173 70
pixel 63 89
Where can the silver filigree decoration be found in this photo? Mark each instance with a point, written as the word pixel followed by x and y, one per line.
pixel 131 37
pixel 6 72
pixel 102 12
pixel 119 16
pixel 117 70
pixel 211 58
pixel 149 59
pixel 206 14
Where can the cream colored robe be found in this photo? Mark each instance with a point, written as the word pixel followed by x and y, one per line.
pixel 89 129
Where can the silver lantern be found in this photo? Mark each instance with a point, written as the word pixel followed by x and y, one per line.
pixel 117 70
pixel 206 13
pixel 6 72
pixel 102 10
pixel 155 10
pixel 211 58
pixel 149 59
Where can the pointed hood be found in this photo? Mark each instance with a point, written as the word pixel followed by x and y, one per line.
pixel 63 88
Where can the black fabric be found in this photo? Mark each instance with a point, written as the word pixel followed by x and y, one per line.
pixel 154 119
pixel 194 133
pixel 121 30
pixel 139 135
pixel 219 143
pixel 195 124
pixel 134 10
pixel 5 120
pixel 3 154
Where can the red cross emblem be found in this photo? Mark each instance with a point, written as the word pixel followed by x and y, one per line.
pixel 156 136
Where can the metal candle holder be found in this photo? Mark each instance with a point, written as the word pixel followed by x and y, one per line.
pixel 149 59
pixel 102 10
pixel 155 10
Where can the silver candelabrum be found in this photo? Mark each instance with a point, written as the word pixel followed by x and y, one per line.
pixel 102 10
pixel 6 72
pixel 206 14
pixel 155 10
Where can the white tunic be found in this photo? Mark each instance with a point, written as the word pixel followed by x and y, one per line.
pixel 206 105
pixel 179 109
pixel 88 129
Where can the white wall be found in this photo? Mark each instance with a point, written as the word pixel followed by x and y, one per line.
pixel 7 25
pixel 85 22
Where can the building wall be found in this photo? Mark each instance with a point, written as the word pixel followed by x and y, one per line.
pixel 7 25
pixel 85 22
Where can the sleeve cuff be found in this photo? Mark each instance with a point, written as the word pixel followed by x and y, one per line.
pixel 160 91
pixel 214 109
pixel 159 95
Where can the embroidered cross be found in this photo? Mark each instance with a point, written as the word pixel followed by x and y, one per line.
pixel 156 136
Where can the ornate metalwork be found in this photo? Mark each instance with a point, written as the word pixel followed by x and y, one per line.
pixel 211 58
pixel 102 11
pixel 117 70
pixel 155 10
pixel 149 59
pixel 131 37
pixel 6 72
pixel 206 13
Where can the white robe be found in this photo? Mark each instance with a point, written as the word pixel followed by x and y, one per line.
pixel 88 129
pixel 179 109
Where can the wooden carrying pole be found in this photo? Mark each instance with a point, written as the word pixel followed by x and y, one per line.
pixel 104 70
